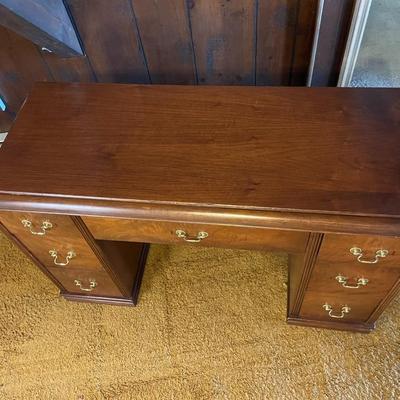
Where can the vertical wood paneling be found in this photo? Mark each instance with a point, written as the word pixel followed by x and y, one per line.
pixel 303 41
pixel 164 30
pixel 110 38
pixel 21 66
pixel 224 40
pixel 276 29
pixel 335 24
pixel 76 69
pixel 264 42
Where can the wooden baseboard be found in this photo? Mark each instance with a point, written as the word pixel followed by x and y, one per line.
pixel 120 301
pixel 343 326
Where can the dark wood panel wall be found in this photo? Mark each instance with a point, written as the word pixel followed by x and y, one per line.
pixel 240 42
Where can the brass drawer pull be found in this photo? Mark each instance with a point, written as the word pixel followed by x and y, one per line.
pixel 356 251
pixel 92 285
pixel 360 282
pixel 191 239
pixel 71 254
pixel 46 225
pixel 328 307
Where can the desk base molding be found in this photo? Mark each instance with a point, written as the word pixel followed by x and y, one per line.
pixel 351 326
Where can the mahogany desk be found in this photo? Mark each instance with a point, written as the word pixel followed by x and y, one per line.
pixel 91 172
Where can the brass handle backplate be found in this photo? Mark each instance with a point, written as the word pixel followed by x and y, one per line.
pixel 71 254
pixel 191 239
pixel 46 225
pixel 358 252
pixel 345 310
pixel 92 285
pixel 343 281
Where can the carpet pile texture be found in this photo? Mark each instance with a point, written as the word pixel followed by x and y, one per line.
pixel 210 325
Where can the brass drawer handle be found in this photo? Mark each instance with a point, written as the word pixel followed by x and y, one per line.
pixel 191 239
pixel 71 254
pixel 328 307
pixel 92 285
pixel 356 251
pixel 360 282
pixel 46 225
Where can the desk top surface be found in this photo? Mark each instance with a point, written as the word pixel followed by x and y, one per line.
pixel 329 150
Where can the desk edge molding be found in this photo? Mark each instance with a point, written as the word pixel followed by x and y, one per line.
pixel 306 222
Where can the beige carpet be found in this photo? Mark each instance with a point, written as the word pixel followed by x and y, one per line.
pixel 210 325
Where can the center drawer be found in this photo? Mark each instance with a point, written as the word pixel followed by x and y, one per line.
pixel 201 234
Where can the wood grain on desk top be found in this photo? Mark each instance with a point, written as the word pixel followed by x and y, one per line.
pixel 330 150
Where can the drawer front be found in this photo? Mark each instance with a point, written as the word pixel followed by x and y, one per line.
pixel 360 250
pixel 44 233
pixel 86 282
pixel 216 235
pixel 356 279
pixel 361 307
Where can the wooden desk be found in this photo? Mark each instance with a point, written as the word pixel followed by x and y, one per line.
pixel 91 172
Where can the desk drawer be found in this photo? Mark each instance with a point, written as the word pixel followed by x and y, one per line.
pixel 85 282
pixel 360 250
pixel 42 234
pixel 201 234
pixel 360 306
